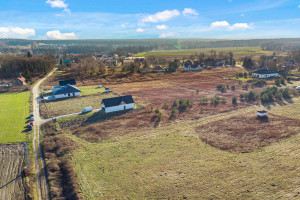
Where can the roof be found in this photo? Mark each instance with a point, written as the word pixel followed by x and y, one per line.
pixel 158 68
pixel 116 101
pixel 22 79
pixel 265 71
pixel 263 111
pixel 66 90
pixel 67 82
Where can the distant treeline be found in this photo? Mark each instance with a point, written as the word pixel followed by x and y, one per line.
pixel 12 66
pixel 122 47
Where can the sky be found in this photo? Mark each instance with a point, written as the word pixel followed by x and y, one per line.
pixel 136 19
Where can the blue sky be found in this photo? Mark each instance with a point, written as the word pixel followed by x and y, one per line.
pixel 133 19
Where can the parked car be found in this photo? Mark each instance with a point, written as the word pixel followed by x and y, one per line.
pixel 87 109
pixel 31 115
pixel 298 88
pixel 31 118
pixel 29 128
pixel 31 124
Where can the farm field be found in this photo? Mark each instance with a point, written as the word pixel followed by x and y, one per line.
pixel 72 105
pixel 172 161
pixel 11 167
pixel 188 52
pixel 14 109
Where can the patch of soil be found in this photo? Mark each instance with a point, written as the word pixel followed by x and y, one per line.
pixel 245 133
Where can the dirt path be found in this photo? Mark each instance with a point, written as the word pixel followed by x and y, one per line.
pixel 41 181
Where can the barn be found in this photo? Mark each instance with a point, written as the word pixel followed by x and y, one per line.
pixel 117 104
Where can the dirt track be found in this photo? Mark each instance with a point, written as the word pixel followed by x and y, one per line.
pixel 11 167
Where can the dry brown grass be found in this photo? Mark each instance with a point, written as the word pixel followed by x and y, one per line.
pixel 61 176
pixel 245 133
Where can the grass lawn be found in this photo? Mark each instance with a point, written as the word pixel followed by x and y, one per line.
pixel 188 52
pixel 14 109
pixel 172 162
pixel 89 90
pixel 72 105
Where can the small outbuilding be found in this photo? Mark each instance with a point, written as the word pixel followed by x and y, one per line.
pixel 265 73
pixel 262 113
pixel 117 104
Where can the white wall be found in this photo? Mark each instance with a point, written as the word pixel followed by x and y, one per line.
pixel 119 108
pixel 60 96
pixel 265 75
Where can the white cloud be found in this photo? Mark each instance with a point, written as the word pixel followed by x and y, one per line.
pixel 16 32
pixel 59 4
pixel 189 12
pixel 229 1
pixel 164 35
pixel 299 6
pixel 161 16
pixel 57 35
pixel 161 27
pixel 218 24
pixel 240 26
pixel 140 30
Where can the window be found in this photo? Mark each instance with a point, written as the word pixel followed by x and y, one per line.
pixel 124 107
pixel 69 95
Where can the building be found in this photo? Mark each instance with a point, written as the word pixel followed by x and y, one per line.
pixel 158 69
pixel 190 66
pixel 66 91
pixel 262 113
pixel 117 104
pixel 265 73
pixel 19 81
pixel 67 82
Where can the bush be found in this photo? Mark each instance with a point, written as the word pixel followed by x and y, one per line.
pixel 175 104
pixel 234 100
pixel 221 87
pixel 204 100
pixel 233 88
pixel 174 111
pixel 159 116
pixel 227 86
pixel 156 111
pixel 245 87
pixel 259 83
pixel 197 91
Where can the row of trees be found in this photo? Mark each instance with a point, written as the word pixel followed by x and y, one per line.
pixel 12 66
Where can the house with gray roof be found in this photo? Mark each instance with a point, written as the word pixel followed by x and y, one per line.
pixel 117 104
pixel 265 73
pixel 66 91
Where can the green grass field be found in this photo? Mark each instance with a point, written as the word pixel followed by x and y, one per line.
pixel 173 163
pixel 89 90
pixel 188 52
pixel 14 109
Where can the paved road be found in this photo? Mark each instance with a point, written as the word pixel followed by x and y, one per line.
pixel 40 171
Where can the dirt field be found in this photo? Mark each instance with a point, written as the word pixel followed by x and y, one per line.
pixel 245 133
pixel 11 172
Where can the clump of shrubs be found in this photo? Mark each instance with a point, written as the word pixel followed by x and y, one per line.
pixel 221 88
pixel 233 88
pixel 272 94
pixel 234 100
pixel 203 101
pixel 215 100
pixel 251 96
pixel 279 81
pixel 259 83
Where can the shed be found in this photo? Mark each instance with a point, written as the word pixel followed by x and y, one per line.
pixel 262 113
pixel 265 73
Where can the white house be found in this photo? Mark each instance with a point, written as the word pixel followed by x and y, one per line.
pixel 265 73
pixel 190 66
pixel 117 104
pixel 60 92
